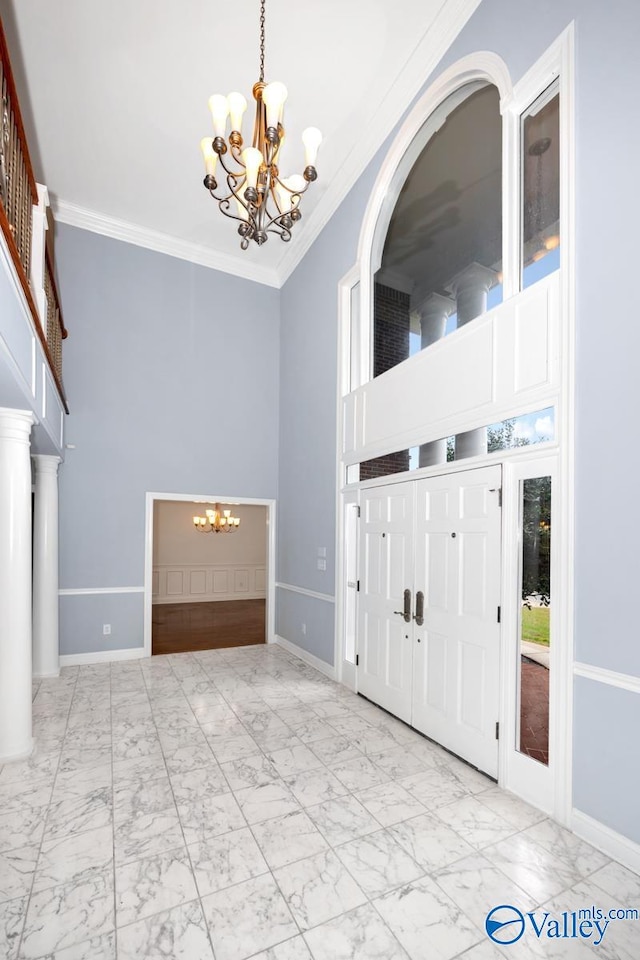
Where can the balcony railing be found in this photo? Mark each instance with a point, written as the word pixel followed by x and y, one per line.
pixel 23 222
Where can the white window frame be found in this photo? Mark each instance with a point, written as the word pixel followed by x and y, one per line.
pixel 425 118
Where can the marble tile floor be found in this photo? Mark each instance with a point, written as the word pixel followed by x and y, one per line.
pixel 237 804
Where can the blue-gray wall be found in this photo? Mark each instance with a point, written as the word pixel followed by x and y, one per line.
pixel 608 387
pixel 171 370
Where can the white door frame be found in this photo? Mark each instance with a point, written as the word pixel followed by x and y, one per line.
pixel 208 498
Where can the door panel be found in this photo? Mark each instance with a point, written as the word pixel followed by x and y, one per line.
pixel 456 682
pixel 386 664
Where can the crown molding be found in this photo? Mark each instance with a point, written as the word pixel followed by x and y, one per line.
pixel 429 50
pixel 393 104
pixel 85 219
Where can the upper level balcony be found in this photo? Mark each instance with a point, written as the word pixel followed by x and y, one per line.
pixel 31 325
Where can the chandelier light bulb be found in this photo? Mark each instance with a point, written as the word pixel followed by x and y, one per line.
pixel 274 96
pixel 311 138
pixel 209 155
pixel 252 160
pixel 237 106
pixel 219 113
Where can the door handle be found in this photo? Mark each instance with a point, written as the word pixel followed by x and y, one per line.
pixel 419 614
pixel 406 613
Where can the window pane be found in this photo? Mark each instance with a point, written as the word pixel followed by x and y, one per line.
pixel 541 188
pixel 523 431
pixel 442 255
pixel 535 616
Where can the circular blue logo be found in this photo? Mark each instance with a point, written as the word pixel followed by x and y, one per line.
pixel 504 924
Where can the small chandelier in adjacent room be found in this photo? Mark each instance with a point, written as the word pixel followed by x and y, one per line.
pixel 216 521
pixel 255 194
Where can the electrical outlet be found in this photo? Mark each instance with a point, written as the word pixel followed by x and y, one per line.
pixel 304 629
pixel 321 563
pixel 322 551
pixel 106 629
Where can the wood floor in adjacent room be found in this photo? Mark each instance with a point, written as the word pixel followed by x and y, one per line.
pixel 180 627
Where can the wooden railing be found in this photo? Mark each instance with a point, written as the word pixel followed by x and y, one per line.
pixel 18 196
pixel 56 331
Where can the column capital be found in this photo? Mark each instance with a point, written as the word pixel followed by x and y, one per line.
pixel 435 305
pixel 474 277
pixel 45 463
pixel 16 424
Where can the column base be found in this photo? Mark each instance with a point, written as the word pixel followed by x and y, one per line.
pixel 18 756
pixel 46 676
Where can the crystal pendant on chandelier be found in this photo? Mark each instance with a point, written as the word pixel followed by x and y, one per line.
pixel 255 194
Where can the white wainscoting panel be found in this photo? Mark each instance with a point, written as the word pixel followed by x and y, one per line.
pixel 192 582
pixel 492 368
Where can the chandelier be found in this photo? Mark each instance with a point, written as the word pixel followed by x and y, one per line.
pixel 216 521
pixel 254 193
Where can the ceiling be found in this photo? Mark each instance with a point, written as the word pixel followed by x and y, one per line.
pixel 114 97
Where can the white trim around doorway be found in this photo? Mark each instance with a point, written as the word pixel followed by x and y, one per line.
pixel 209 498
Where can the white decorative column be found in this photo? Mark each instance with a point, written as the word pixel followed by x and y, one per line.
pixel 433 314
pixel 45 568
pixel 470 288
pixel 15 584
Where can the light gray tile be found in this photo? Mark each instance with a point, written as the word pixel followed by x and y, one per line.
pixel 178 934
pixel 97 948
pixel 359 774
pixel 147 835
pixel 574 853
pixel 515 811
pixel 475 822
pixel 247 918
pixel 233 748
pixel 378 863
pixel 71 858
pixel 251 771
pixel 14 795
pixel 390 803
pixel 137 798
pixel 477 886
pixel 315 786
pixel 78 783
pixel 342 820
pixel 428 924
pixel 79 814
pixel 16 872
pixel 358 935
pixel 21 828
pixel 335 750
pixel 289 838
pixel 210 817
pixel 266 801
pixel 294 949
pixel 67 914
pixel 221 862
pixel 430 842
pixel 318 889
pixel 130 747
pixel 153 884
pixel 12 914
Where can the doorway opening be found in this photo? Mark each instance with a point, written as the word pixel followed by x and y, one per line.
pixel 209 583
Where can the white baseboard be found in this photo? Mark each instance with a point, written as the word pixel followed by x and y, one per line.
pixel 101 656
pixel 321 665
pixel 614 844
pixel 208 598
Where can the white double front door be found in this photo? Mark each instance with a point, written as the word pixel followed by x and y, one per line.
pixel 428 622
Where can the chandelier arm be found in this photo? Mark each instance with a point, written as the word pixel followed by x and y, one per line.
pixel 283 232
